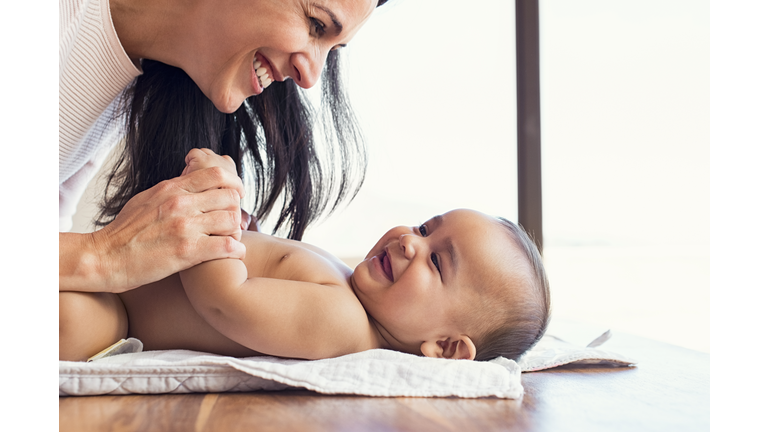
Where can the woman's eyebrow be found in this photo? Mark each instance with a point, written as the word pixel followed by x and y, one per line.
pixel 338 27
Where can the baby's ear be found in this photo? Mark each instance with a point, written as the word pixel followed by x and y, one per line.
pixel 461 347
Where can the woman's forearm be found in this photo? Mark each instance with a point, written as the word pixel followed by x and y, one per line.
pixel 80 264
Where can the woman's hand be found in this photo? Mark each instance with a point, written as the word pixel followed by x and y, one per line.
pixel 205 158
pixel 170 227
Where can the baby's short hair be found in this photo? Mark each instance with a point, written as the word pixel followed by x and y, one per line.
pixel 524 318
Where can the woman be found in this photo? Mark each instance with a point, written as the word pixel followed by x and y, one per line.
pixel 170 76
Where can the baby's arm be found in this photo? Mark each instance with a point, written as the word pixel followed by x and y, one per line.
pixel 274 316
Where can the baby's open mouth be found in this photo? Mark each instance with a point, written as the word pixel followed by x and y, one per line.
pixel 386 265
pixel 262 73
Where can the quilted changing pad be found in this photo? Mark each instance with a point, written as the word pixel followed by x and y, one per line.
pixel 372 373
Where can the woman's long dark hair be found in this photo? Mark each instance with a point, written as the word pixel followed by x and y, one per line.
pixel 270 137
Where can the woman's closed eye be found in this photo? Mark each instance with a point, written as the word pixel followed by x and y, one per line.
pixel 318 28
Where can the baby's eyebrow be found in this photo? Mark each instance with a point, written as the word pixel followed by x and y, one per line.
pixel 438 220
pixel 452 254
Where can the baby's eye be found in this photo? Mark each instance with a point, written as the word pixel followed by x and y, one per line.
pixel 423 230
pixel 434 261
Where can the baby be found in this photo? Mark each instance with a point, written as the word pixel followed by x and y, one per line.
pixel 463 285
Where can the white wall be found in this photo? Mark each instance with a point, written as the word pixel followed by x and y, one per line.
pixel 625 143
pixel 625 106
pixel 433 85
pixel 625 111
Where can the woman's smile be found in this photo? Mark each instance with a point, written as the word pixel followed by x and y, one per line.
pixel 265 71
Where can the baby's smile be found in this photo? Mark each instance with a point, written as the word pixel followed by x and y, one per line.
pixel 386 265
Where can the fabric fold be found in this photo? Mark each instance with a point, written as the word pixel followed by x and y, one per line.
pixel 376 372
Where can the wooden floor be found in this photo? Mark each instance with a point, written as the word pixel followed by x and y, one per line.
pixel 669 390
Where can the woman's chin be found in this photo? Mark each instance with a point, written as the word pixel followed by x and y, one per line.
pixel 228 102
pixel 229 106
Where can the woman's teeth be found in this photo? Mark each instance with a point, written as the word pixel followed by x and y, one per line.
pixel 261 73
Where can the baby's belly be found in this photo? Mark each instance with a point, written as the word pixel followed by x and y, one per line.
pixel 161 317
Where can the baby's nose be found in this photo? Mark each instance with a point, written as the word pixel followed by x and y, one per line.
pixel 408 245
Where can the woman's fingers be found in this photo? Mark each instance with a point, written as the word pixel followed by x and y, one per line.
pixel 219 247
pixel 214 200
pixel 213 212
pixel 209 178
pixel 221 223
pixel 198 159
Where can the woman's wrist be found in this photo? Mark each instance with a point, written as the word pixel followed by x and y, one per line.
pixel 87 263
pixel 80 267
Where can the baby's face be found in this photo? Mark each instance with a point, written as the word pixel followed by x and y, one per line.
pixel 418 282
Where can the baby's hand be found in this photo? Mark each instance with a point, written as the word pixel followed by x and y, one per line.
pixel 198 159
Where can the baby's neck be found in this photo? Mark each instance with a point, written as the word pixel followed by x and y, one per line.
pixel 379 334
pixel 385 340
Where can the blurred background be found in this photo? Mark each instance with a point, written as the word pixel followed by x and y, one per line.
pixel 625 146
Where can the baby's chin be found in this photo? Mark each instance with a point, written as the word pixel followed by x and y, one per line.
pixel 353 282
pixel 361 264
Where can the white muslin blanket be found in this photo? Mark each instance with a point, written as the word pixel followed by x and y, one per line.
pixel 372 373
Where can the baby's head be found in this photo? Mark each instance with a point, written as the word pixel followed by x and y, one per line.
pixel 462 285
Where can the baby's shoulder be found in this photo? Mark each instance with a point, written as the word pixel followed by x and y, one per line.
pixel 348 326
pixel 273 257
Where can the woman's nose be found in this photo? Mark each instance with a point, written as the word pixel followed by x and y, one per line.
pixel 307 67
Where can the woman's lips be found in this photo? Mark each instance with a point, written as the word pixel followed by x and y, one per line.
pixel 265 71
pixel 255 83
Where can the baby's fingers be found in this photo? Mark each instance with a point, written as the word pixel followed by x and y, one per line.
pixel 245 219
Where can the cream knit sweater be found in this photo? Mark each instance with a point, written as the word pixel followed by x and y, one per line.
pixel 93 70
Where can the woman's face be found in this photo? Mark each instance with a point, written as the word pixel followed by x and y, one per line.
pixel 289 38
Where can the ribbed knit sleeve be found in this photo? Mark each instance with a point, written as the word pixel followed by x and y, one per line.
pixel 93 70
